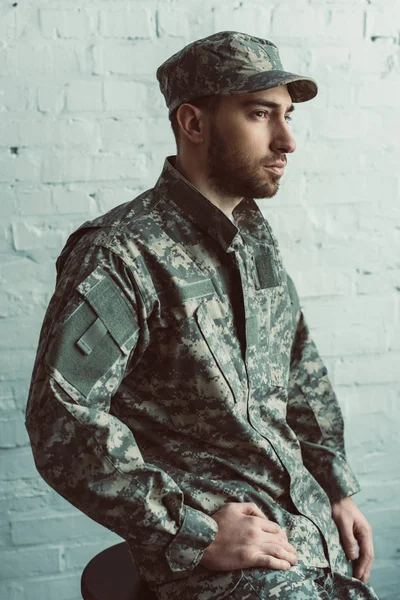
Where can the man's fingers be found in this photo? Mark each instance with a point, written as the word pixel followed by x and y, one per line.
pixel 271 527
pixel 270 562
pixel 250 508
pixel 349 542
pixel 364 562
pixel 278 551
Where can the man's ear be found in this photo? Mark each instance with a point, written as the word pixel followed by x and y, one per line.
pixel 191 122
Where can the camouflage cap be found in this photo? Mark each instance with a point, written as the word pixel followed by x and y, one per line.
pixel 228 62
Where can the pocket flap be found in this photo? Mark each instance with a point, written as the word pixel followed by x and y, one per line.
pixel 111 305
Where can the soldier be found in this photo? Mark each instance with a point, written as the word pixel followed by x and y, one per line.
pixel 177 397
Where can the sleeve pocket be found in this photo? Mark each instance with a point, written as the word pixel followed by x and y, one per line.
pixel 101 328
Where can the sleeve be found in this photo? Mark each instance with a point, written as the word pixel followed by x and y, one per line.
pixel 314 413
pixel 93 335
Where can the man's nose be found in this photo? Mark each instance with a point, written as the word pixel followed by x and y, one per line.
pixel 283 141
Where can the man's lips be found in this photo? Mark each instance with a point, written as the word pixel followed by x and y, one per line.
pixel 276 168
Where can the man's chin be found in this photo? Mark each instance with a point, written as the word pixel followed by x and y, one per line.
pixel 268 192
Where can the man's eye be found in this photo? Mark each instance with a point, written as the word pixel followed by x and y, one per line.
pixel 262 112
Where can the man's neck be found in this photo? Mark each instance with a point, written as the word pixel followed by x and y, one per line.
pixel 194 172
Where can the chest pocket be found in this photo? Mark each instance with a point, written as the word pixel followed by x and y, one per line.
pixel 100 329
pixel 206 315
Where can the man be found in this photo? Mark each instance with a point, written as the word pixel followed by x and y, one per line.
pixel 177 396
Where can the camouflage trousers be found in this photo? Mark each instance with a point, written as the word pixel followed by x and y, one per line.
pixel 300 583
pixel 315 584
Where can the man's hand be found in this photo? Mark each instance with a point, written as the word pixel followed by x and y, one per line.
pixel 354 527
pixel 247 538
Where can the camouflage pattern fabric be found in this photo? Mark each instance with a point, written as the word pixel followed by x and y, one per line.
pixel 228 62
pixel 175 373
pixel 312 584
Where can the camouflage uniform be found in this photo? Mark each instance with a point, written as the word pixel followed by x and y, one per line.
pixel 175 372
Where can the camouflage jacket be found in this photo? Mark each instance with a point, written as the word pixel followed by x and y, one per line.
pixel 175 372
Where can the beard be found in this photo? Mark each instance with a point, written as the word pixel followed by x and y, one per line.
pixel 231 172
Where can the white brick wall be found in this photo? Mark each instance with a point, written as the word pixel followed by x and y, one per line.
pixel 84 127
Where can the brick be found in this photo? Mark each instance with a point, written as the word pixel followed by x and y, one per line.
pixel 61 23
pixel 16 504
pixel 243 17
pixel 363 398
pixel 379 96
pixel 340 96
pixel 84 96
pixel 373 59
pixel 140 59
pixel 175 22
pixel 22 332
pixel 21 275
pixel 295 59
pixel 368 498
pixel 37 234
pixel 334 157
pixel 381 424
pixel 382 22
pixel 8 27
pixel 64 167
pixel 8 202
pixel 34 202
pixel 340 188
pixel 109 197
pixel 68 201
pixel 157 131
pixel 18 365
pixel 394 337
pixel 51 98
pixel 23 59
pixel 28 562
pixel 155 103
pixel 39 529
pixel 350 124
pixel 380 368
pixel 16 463
pixel 387 523
pixel 115 167
pixel 315 224
pixel 319 24
pixel 124 95
pixel 66 60
pixel 63 587
pixel 22 167
pixel 14 97
pixel 12 590
pixel 322 282
pixel 369 282
pixel 348 312
pixel 13 432
pixel 126 23
pixel 117 133
pixel 352 340
pixel 77 556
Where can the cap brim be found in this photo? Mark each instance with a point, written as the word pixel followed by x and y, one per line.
pixel 300 88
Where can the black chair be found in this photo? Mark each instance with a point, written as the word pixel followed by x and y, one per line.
pixel 112 575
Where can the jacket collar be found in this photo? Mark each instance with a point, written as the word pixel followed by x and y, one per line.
pixel 175 189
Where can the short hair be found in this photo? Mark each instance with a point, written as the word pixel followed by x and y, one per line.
pixel 207 103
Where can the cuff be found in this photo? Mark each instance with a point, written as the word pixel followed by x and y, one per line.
pixel 197 532
pixel 331 469
pixel 342 481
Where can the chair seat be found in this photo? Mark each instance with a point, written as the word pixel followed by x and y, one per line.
pixel 112 575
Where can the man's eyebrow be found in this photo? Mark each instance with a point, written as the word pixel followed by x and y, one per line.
pixel 266 103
